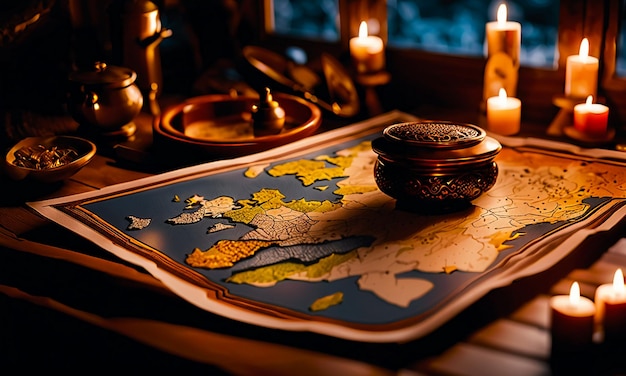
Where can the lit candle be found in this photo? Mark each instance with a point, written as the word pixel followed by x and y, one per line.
pixel 610 301
pixel 581 73
pixel 572 322
pixel 504 114
pixel 591 118
pixel 367 51
pixel 503 52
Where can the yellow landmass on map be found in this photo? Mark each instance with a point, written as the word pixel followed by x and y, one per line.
pixel 343 161
pixel 267 200
pixel 225 253
pixel 269 275
pixel 326 302
pixel 498 239
pixel 254 171
pixel 305 206
pixel 261 201
pixel 351 190
pixel 307 171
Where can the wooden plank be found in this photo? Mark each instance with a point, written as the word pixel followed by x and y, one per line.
pixel 466 359
pixel 515 338
pixel 535 312
pixel 619 247
pixel 615 260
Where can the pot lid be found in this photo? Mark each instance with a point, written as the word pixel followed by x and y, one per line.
pixel 436 143
pixel 105 75
pixel 435 134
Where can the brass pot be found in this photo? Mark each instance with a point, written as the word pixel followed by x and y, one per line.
pixel 105 98
pixel 435 166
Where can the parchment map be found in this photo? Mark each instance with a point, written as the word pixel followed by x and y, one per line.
pixel 312 235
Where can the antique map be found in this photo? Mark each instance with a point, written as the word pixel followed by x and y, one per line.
pixel 300 237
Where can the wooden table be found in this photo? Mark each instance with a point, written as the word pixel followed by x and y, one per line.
pixel 66 304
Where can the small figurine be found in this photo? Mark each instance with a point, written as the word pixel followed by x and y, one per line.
pixel 268 117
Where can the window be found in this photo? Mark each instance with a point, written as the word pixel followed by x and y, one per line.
pixel 458 26
pixel 620 65
pixel 435 49
pixel 455 27
pixel 307 19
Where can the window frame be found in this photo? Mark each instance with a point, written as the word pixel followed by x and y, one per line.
pixel 421 78
pixel 610 80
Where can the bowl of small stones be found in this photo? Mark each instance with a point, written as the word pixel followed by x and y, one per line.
pixel 48 159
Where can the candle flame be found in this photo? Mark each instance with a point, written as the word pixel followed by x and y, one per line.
pixel 501 16
pixel 618 282
pixel 584 48
pixel 574 294
pixel 502 95
pixel 589 100
pixel 363 30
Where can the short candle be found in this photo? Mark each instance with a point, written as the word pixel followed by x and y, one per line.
pixel 610 301
pixel 367 51
pixel 572 323
pixel 581 73
pixel 504 114
pixel 591 118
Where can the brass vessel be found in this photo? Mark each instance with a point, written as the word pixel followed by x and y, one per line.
pixel 435 166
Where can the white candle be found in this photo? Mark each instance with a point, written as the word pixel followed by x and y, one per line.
pixel 367 51
pixel 581 73
pixel 572 322
pixel 591 118
pixel 504 114
pixel 610 301
pixel 503 53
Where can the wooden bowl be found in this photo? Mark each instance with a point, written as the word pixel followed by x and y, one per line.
pixel 67 154
pixel 220 126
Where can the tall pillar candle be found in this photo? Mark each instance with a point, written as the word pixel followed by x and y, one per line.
pixel 503 53
pixel 581 73
pixel 610 299
pixel 572 322
pixel 367 51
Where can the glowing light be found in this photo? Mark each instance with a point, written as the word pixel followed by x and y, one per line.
pixel 363 29
pixel 501 16
pixel 583 52
pixel 574 295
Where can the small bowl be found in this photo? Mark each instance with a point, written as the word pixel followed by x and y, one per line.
pixel 435 166
pixel 79 153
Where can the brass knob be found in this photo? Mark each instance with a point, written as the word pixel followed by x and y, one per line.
pixel 268 117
